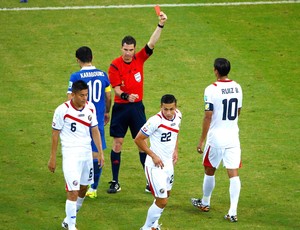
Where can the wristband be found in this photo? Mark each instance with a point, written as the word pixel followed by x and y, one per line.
pixel 124 96
pixel 160 26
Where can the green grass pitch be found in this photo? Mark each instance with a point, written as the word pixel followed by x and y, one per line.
pixel 37 56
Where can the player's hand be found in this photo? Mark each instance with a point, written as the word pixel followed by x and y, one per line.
pixel 200 149
pixel 52 165
pixel 132 97
pixel 158 162
pixel 100 159
pixel 175 157
pixel 162 18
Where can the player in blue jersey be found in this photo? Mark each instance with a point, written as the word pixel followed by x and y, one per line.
pixel 100 95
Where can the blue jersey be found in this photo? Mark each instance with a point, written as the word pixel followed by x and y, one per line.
pixel 97 81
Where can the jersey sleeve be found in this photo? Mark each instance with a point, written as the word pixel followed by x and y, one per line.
pixel 58 117
pixel 208 100
pixel 108 89
pixel 240 101
pixel 144 53
pixel 151 125
pixel 73 78
pixel 114 75
pixel 94 117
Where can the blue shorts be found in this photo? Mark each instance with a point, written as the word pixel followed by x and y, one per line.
pixel 130 115
pixel 102 134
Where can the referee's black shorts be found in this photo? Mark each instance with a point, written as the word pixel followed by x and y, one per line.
pixel 130 115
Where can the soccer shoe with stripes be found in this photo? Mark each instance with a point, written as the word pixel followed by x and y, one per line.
pixel 231 218
pixel 65 225
pixel 198 204
pixel 114 187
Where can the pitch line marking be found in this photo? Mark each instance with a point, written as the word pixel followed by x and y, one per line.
pixel 150 5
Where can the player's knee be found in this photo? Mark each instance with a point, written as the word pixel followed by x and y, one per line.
pixel 117 145
pixel 72 195
pixel 161 202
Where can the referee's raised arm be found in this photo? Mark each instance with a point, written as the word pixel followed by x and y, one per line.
pixel 156 34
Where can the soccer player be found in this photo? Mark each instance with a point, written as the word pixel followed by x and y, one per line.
pixel 126 76
pixel 223 103
pixel 162 130
pixel 100 95
pixel 72 122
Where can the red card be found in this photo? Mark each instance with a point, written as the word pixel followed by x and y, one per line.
pixel 157 10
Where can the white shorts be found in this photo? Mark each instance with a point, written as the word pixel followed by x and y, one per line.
pixel 160 180
pixel 77 168
pixel 231 157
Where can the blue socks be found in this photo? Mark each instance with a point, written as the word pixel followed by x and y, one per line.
pixel 97 174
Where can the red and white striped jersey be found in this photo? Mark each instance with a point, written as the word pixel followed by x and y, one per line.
pixel 163 136
pixel 74 125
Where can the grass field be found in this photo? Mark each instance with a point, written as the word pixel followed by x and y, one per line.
pixel 37 57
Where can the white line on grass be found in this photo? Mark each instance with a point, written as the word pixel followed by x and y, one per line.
pixel 150 5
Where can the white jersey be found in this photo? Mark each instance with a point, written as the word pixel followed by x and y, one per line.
pixel 224 98
pixel 163 137
pixel 75 124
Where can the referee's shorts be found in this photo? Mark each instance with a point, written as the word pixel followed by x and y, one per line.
pixel 126 115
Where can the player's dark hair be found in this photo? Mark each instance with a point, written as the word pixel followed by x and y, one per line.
pixel 84 54
pixel 78 86
pixel 223 66
pixel 168 99
pixel 129 40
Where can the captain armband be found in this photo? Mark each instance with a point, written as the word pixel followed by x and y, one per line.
pixel 208 106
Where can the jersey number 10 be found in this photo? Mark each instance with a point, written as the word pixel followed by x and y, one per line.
pixel 230 108
pixel 94 90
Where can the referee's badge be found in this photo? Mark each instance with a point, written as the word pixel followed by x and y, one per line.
pixel 138 77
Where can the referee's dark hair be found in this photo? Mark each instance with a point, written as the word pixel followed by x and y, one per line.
pixel 78 86
pixel 129 40
pixel 168 99
pixel 84 54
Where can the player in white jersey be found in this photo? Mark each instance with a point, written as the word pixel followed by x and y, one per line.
pixel 100 95
pixel 73 121
pixel 162 130
pixel 223 103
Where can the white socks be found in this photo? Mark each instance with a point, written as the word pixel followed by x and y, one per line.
pixel 79 203
pixel 153 215
pixel 208 187
pixel 71 213
pixel 234 191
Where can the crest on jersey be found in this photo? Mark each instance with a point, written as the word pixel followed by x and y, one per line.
pixel 138 77
pixel 145 129
pixel 161 190
pixel 75 182
pixel 90 117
